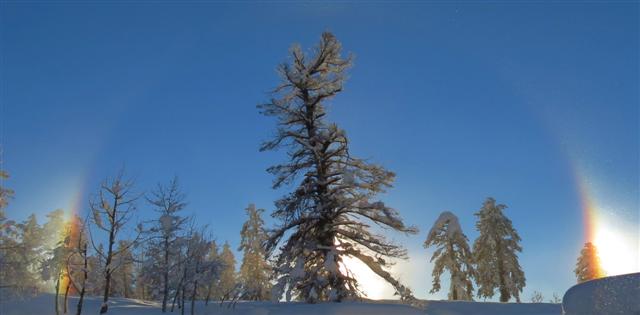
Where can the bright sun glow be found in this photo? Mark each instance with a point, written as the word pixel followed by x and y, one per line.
pixel 616 256
pixel 372 285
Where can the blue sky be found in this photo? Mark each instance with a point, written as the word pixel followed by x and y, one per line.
pixel 463 101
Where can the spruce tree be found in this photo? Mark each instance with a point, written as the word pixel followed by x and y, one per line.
pixel 328 215
pixel 496 254
pixel 588 266
pixel 453 254
pixel 254 271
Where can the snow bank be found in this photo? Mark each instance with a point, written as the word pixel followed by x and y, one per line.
pixel 478 308
pixel 616 295
pixel 43 305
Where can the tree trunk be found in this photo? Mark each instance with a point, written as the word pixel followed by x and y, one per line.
pixel 193 296
pixel 504 292
pixel 112 235
pixel 66 295
pixel 209 290
pixel 182 296
pixel 57 295
pixel 175 297
pixel 85 275
pixel 166 275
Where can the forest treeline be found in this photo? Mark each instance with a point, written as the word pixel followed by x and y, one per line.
pixel 327 215
pixel 168 258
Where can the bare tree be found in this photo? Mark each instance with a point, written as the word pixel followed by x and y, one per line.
pixel 537 297
pixel 167 201
pixel 112 210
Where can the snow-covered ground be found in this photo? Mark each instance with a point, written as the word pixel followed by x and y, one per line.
pixel 43 305
pixel 617 295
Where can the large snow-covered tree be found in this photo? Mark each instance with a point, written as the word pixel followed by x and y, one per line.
pixel 496 254
pixel 588 266
pixel 453 254
pixel 168 201
pixel 255 270
pixel 328 215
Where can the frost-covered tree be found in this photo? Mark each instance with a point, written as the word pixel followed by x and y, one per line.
pixel 9 242
pixel 55 252
pixel 168 202
pixel 328 215
pixel 123 276
pixel 202 268
pixel 20 245
pixel 496 254
pixel 112 209
pixel 537 297
pixel 588 266
pixel 254 271
pixel 149 278
pixel 453 254
pixel 27 256
pixel 5 193
pixel 228 278
pixel 77 264
pixel 54 267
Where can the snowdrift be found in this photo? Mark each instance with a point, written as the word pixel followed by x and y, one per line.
pixel 483 308
pixel 618 295
pixel 43 305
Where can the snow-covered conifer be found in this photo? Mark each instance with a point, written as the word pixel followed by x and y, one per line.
pixel 453 254
pixel 254 271
pixel 495 254
pixel 588 266
pixel 328 215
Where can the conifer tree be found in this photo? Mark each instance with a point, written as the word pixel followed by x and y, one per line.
pixel 5 194
pixel 588 266
pixel 11 264
pixel 496 254
pixel 254 271
pixel 328 215
pixel 227 282
pixel 453 254
pixel 30 252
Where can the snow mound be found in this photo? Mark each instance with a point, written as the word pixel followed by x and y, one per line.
pixel 481 308
pixel 618 295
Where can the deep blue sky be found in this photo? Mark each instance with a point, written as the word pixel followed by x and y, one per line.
pixel 462 101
